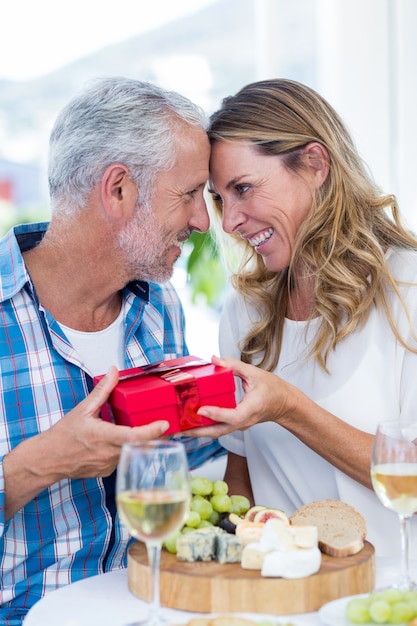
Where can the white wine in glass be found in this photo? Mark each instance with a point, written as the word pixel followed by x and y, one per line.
pixel 394 479
pixel 153 497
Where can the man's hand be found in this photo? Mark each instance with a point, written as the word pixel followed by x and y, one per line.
pixel 80 445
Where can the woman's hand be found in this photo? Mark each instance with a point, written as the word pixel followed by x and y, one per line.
pixel 266 398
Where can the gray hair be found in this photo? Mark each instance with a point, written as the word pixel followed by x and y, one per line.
pixel 115 120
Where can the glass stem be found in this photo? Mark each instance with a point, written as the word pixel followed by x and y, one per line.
pixel 154 558
pixel 405 581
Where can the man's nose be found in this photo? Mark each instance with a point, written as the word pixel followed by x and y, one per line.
pixel 200 219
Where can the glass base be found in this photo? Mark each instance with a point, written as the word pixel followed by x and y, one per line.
pixel 401 585
pixel 406 586
pixel 150 620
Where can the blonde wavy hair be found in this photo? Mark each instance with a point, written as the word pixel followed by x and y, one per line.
pixel 342 243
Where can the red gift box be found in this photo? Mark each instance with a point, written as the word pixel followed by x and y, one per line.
pixel 171 390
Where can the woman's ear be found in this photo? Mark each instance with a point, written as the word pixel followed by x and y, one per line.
pixel 317 161
pixel 118 192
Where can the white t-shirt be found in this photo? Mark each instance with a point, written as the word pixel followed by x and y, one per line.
pixel 99 350
pixel 372 377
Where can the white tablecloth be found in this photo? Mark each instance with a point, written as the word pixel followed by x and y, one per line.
pixel 106 601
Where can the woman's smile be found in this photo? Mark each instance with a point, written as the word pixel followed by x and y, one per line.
pixel 261 238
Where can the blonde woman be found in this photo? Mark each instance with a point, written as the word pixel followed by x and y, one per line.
pixel 320 328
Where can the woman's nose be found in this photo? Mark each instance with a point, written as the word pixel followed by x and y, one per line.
pixel 231 218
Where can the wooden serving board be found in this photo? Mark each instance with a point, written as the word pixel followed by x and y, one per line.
pixel 213 588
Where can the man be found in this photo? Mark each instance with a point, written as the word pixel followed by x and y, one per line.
pixel 127 167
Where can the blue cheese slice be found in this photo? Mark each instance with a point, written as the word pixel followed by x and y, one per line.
pixel 228 548
pixel 196 546
pixel 205 544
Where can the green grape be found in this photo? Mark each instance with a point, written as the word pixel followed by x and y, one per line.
pixel 357 611
pixel 412 603
pixel 202 506
pixel 400 612
pixel 241 502
pixel 221 503
pixel 209 500
pixel 374 595
pixel 391 606
pixel 214 518
pixel 170 543
pixel 193 519
pixel 201 486
pixel 187 529
pixel 220 488
pixel 410 595
pixel 205 524
pixel 392 595
pixel 380 611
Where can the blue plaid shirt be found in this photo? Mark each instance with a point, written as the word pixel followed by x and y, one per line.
pixel 64 534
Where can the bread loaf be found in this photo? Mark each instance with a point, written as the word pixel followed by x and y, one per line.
pixel 341 528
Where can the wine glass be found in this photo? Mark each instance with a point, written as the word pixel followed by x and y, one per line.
pixel 394 479
pixel 153 497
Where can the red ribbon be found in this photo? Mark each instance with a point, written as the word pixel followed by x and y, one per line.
pixel 187 395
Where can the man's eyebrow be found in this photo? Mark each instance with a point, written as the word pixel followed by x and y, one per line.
pixel 199 185
pixel 189 189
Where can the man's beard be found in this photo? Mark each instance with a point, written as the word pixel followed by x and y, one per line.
pixel 145 242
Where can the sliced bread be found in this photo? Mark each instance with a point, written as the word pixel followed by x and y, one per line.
pixel 341 528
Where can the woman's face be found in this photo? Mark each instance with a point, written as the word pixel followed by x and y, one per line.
pixel 263 201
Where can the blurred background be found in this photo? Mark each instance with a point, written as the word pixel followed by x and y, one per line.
pixel 360 54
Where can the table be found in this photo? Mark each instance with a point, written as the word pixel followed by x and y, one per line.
pixel 105 600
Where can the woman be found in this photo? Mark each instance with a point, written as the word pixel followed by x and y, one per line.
pixel 324 305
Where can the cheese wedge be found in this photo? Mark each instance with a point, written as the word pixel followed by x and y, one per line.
pixel 276 536
pixel 291 564
pixel 249 532
pixel 253 555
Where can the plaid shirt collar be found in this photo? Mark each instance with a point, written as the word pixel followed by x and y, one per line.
pixel 15 276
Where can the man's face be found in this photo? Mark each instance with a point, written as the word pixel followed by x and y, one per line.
pixel 152 239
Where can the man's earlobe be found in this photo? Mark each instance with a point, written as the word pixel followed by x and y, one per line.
pixel 117 190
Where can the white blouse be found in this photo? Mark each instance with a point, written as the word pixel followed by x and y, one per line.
pixel 372 377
